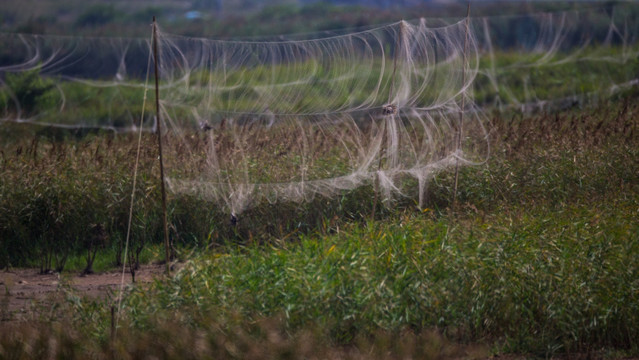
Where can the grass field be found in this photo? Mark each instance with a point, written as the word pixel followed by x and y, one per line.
pixel 540 258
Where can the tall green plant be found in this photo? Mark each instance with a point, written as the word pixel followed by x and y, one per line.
pixel 29 91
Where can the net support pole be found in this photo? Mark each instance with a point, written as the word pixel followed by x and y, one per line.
pixel 159 131
pixel 463 108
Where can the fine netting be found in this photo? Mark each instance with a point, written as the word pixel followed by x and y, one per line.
pixel 73 82
pixel 557 60
pixel 288 119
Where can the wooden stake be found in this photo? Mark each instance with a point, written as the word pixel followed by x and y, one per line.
pixel 112 324
pixel 112 339
pixel 159 130
pixel 463 106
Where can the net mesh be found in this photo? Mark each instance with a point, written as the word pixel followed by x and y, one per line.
pixel 289 119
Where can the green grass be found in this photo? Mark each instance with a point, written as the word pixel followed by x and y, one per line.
pixel 518 78
pixel 523 78
pixel 540 257
pixel 106 259
pixel 540 282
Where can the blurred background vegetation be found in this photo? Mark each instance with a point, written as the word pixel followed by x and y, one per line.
pixel 239 18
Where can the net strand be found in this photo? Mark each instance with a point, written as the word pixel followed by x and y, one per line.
pixel 287 120
pixel 133 190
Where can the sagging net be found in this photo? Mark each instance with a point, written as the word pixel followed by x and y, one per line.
pixel 73 82
pixel 289 119
pixel 556 60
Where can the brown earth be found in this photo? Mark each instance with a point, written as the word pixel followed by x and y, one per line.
pixel 24 291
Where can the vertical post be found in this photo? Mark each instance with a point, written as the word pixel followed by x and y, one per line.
pixel 463 108
pixel 112 324
pixel 112 339
pixel 159 130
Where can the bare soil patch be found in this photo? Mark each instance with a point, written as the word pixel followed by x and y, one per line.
pixel 22 290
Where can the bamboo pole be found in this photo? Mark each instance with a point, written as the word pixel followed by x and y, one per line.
pixel 159 130
pixel 463 108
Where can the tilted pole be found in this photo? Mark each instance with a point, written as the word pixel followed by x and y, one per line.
pixel 159 130
pixel 463 108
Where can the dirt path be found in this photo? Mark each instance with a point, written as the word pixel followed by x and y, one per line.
pixel 23 289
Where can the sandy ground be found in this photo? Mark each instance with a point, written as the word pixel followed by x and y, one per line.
pixel 24 290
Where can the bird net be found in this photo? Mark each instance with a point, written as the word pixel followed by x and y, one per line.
pixel 291 118
pixel 555 60
pixel 288 120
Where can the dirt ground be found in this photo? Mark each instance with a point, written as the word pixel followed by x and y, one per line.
pixel 22 290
